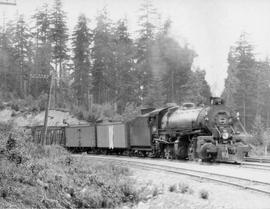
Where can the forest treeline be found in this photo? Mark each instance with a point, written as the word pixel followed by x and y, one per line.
pixel 247 87
pixel 98 61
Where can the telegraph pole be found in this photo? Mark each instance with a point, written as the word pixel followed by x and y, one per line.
pixel 47 109
pixel 50 78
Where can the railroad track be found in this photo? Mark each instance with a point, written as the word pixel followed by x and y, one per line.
pixel 257 159
pixel 257 166
pixel 240 182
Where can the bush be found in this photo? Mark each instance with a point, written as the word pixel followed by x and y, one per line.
pixel 49 177
pixel 184 188
pixel 173 188
pixel 155 191
pixel 204 194
pixel 15 106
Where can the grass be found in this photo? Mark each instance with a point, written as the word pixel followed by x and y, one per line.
pixel 49 177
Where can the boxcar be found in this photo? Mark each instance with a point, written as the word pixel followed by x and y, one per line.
pixel 80 136
pixel 140 133
pixel 112 136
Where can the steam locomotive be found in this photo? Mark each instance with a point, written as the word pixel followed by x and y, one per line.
pixel 212 133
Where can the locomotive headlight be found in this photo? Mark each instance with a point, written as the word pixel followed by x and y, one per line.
pixel 225 135
pixel 154 129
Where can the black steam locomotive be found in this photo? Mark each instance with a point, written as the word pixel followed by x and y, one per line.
pixel 207 133
pixel 212 133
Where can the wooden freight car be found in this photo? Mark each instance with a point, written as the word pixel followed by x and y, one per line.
pixel 81 136
pixel 112 136
pixel 140 133
pixel 132 136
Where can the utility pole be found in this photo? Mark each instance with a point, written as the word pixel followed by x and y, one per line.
pixel 47 110
pixel 50 78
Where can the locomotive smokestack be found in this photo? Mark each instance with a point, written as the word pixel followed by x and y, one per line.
pixel 216 101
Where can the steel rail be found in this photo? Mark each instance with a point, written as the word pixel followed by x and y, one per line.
pixel 213 179
pixel 197 174
pixel 257 159
pixel 265 167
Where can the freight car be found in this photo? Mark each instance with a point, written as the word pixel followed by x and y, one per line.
pixel 212 133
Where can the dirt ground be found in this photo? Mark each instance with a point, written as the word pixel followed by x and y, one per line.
pixel 219 196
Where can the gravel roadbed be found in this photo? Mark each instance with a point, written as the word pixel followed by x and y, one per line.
pixel 219 196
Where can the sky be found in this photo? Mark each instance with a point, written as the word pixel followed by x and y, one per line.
pixel 210 27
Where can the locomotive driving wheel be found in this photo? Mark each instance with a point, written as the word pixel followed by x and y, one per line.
pixel 168 152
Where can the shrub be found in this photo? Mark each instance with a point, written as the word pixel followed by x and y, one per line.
pixel 155 191
pixel 204 194
pixel 48 176
pixel 173 188
pixel 184 188
pixel 15 106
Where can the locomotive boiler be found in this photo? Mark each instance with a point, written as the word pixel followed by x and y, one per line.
pixel 207 133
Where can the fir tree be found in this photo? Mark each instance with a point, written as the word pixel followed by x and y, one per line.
pixel 22 53
pixel 81 50
pixel 125 82
pixel 59 37
pixel 241 86
pixel 147 18
pixel 43 50
pixel 42 26
pixel 103 60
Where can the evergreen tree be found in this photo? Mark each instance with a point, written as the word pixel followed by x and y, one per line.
pixel 232 83
pixel 125 81
pixel 263 92
pixel 197 89
pixel 241 86
pixel 7 71
pixel 59 37
pixel 81 50
pixel 42 26
pixel 43 50
pixel 154 97
pixel 144 44
pixel 103 60
pixel 22 53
